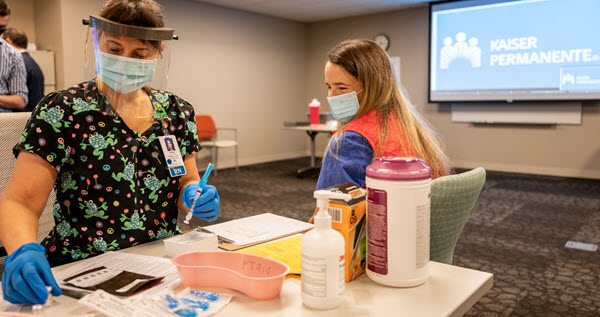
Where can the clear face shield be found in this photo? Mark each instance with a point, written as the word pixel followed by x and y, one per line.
pixel 128 63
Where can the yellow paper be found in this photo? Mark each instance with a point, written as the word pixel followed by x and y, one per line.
pixel 284 250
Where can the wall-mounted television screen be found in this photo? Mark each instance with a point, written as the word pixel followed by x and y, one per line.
pixel 499 50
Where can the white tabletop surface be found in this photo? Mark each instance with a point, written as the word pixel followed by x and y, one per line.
pixel 312 127
pixel 450 291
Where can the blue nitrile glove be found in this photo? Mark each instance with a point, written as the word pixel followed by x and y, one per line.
pixel 26 275
pixel 207 205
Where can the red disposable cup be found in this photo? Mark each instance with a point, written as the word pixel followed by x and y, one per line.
pixel 314 115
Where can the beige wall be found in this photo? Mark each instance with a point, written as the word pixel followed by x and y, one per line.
pixel 41 20
pixel 246 70
pixel 561 150
pixel 49 34
pixel 74 35
pixel 21 17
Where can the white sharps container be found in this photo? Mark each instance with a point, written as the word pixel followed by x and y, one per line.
pixel 398 215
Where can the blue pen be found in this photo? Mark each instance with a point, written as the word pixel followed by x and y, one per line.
pixel 201 186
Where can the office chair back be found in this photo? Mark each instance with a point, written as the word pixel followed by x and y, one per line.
pixel 452 199
pixel 207 135
pixel 11 128
pixel 206 127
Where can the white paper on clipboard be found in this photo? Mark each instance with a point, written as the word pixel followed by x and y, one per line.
pixel 258 228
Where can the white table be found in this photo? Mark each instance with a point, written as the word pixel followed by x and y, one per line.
pixel 450 291
pixel 312 130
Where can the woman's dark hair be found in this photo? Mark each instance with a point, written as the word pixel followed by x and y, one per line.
pixel 146 13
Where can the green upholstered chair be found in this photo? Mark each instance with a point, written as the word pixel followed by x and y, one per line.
pixel 452 198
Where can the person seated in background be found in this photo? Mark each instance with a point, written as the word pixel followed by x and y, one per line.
pixel 13 77
pixel 376 117
pixel 35 77
pixel 98 145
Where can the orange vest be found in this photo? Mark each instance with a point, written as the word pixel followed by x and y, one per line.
pixel 367 127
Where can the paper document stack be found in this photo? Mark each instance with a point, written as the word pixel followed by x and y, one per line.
pixel 189 242
pixel 136 263
pixel 256 229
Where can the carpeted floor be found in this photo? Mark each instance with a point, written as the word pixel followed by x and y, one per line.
pixel 517 230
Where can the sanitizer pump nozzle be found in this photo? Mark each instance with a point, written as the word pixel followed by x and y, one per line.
pixel 323 260
pixel 323 219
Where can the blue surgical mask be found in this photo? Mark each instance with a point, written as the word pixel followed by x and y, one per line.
pixel 344 107
pixel 124 74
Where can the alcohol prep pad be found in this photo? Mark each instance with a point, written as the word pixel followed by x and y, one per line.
pixel 191 241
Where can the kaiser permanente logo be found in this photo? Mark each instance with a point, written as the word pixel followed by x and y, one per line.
pixel 524 51
pixel 513 51
pixel 460 49
pixel 567 78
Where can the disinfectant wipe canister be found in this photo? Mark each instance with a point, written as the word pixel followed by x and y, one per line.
pixel 398 214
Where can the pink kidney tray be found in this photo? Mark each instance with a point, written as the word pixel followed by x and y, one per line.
pixel 254 275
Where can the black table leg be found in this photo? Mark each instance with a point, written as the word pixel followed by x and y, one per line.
pixel 313 169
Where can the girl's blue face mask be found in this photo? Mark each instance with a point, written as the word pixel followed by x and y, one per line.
pixel 124 74
pixel 344 107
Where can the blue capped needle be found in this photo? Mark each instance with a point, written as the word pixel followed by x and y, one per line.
pixel 201 186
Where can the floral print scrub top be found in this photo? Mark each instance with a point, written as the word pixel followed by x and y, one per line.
pixel 113 188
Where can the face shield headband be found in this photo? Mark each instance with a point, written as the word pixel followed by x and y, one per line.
pixel 125 74
pixel 132 31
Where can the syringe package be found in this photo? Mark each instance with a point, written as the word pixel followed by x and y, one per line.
pixel 193 303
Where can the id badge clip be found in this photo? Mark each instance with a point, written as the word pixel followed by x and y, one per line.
pixel 170 149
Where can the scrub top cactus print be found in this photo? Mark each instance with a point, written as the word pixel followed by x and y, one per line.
pixel 113 188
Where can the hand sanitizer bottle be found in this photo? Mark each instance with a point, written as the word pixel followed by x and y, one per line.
pixel 323 258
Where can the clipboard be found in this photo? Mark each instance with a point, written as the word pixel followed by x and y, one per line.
pixel 234 247
pixel 252 230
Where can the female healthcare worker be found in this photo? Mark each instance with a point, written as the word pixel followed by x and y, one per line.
pixel 376 117
pixel 99 145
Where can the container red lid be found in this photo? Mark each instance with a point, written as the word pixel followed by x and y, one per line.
pixel 399 168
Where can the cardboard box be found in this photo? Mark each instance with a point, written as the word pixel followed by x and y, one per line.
pixel 349 219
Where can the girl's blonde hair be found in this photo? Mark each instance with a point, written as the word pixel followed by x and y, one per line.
pixel 370 64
